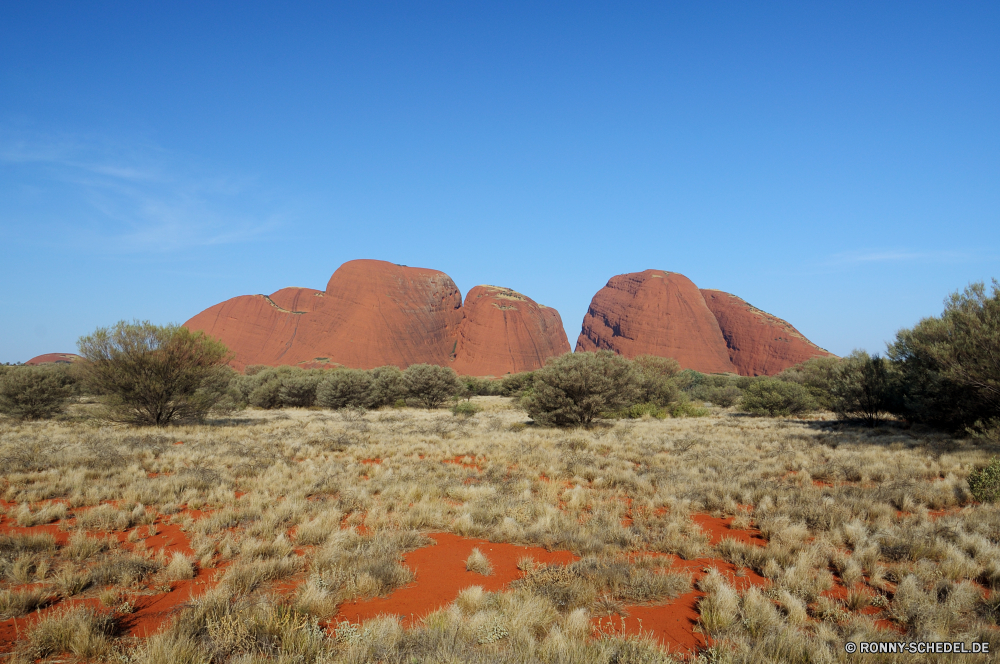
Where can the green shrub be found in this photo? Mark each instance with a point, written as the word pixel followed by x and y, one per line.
pixel 818 375
pixel 345 388
pixel 514 385
pixel 655 379
pixel 298 389
pixel 32 393
pixel 984 483
pixel 725 395
pixel 465 409
pixel 685 408
pixel 576 388
pixel 640 410
pixel 863 388
pixel 949 367
pixel 430 385
pixel 153 375
pixel 387 386
pixel 774 398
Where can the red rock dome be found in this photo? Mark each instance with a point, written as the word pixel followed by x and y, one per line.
pixel 655 313
pixel 504 332
pixel 759 344
pixel 375 313
pixel 55 358
pixel 663 313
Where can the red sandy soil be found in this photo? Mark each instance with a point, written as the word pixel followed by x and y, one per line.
pixel 458 460
pixel 54 358
pixel 505 332
pixel 718 529
pixel 759 344
pixel 151 612
pixel 375 313
pixel 441 575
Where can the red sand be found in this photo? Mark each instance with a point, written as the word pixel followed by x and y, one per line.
pixel 718 529
pixel 441 575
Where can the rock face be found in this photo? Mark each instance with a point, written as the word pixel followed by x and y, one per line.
pixel 759 344
pixel 665 314
pixel 503 331
pixel 375 313
pixel 55 358
pixel 655 313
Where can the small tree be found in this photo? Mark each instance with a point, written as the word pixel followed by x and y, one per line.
pixel 655 379
pixel 387 386
pixel 32 393
pixel 863 388
pixel 151 374
pixel 984 483
pixel 575 388
pixel 817 375
pixel 775 398
pixel 430 385
pixel 298 389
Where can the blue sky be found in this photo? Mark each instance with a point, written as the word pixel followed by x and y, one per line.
pixel 836 164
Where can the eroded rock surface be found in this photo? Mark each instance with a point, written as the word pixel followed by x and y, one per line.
pixel 759 344
pixel 55 358
pixel 663 313
pixel 375 313
pixel 655 313
pixel 503 331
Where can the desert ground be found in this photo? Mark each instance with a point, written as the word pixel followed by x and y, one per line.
pixel 407 535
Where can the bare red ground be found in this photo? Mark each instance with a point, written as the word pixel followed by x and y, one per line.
pixel 673 624
pixel 458 460
pixel 441 575
pixel 718 529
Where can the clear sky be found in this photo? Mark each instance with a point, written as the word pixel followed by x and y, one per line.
pixel 836 164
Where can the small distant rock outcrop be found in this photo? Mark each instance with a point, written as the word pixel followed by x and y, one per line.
pixel 663 313
pixel 54 358
pixel 375 313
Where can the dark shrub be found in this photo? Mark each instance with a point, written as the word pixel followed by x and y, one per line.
pixel 514 385
pixel 33 393
pixel 863 388
pixel 774 398
pixel 575 388
pixel 345 388
pixel 430 385
pixel 150 374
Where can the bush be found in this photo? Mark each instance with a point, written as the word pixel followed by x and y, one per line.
pixel 640 410
pixel 575 388
pixel 685 408
pixel 949 367
pixel 33 393
pixel 298 389
pixel 345 388
pixel 818 375
pixel 154 375
pixel 465 409
pixel 429 384
pixel 387 386
pixel 984 483
pixel 514 385
pixel 655 379
pixel 772 397
pixel 863 388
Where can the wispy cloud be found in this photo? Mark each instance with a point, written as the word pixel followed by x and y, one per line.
pixel 895 256
pixel 137 197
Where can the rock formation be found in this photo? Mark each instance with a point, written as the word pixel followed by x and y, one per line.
pixel 655 313
pixel 55 358
pixel 503 331
pixel 375 313
pixel 759 344
pixel 664 313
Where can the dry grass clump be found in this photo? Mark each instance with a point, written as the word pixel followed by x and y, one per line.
pixel 340 497
pixel 478 563
pixel 16 603
pixel 79 631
